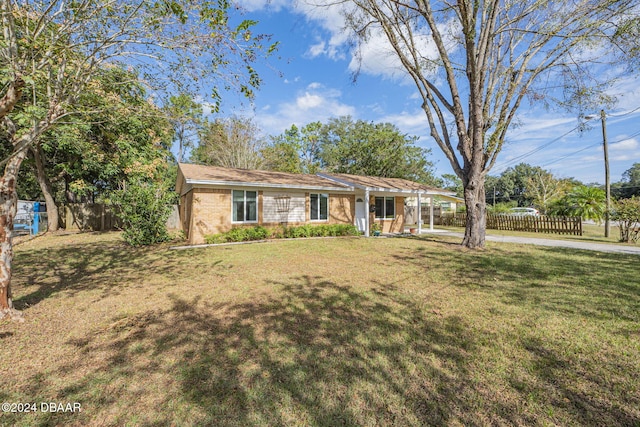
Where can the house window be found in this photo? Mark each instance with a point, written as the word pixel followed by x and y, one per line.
pixel 385 207
pixel 319 207
pixel 245 206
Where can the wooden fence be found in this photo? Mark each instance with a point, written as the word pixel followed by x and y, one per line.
pixel 536 224
pixel 99 217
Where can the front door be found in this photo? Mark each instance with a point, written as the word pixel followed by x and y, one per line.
pixel 361 214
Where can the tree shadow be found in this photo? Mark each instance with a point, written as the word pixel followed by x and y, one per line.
pixel 594 284
pixel 73 268
pixel 318 353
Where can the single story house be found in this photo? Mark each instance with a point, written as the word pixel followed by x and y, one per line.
pixel 215 199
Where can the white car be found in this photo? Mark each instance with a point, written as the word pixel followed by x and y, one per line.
pixel 524 212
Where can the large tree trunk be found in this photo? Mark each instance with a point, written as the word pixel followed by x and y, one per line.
pixel 8 207
pixel 474 198
pixel 53 214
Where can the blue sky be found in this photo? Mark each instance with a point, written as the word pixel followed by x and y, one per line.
pixel 312 81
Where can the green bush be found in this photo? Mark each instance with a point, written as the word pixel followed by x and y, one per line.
pixel 144 208
pixel 627 213
pixel 246 234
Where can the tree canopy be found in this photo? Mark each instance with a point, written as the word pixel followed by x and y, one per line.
pixel 344 145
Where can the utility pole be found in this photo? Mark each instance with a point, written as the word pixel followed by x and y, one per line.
pixel 607 184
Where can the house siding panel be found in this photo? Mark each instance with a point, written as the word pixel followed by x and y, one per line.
pixel 283 207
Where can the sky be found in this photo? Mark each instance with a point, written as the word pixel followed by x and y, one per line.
pixel 312 80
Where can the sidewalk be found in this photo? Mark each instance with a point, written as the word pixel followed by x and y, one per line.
pixel 601 247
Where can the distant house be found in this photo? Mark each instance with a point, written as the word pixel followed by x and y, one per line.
pixel 215 199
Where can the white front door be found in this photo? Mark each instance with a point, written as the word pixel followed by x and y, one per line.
pixel 361 214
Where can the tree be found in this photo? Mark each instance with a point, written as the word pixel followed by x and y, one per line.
pixel 304 142
pixel 93 150
pixel 175 44
pixel 233 142
pixel 582 201
pixel 627 213
pixel 473 63
pixel 185 115
pixel 544 189
pixel 376 149
pixel 629 185
pixel 451 182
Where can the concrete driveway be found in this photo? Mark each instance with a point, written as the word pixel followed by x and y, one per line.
pixel 601 247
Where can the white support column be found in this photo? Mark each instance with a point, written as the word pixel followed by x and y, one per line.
pixel 419 214
pixel 367 214
pixel 431 213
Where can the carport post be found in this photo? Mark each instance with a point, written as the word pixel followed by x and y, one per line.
pixel 431 213
pixel 419 214
pixel 367 214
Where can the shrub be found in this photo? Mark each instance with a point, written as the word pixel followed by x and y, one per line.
pixel 144 208
pixel 627 213
pixel 244 234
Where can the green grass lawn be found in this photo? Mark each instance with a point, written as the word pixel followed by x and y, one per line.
pixel 354 331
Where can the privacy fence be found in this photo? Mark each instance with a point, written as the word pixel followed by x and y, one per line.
pixel 536 224
pixel 100 217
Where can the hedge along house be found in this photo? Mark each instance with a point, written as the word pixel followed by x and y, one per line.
pixel 215 199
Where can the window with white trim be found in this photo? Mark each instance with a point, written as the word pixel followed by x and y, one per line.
pixel 245 206
pixel 319 206
pixel 385 207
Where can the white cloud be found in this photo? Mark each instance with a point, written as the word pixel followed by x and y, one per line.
pixel 255 5
pixel 315 103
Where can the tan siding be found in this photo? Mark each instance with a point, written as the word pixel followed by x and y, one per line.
pixel 278 209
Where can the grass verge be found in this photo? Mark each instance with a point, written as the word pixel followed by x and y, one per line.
pixel 322 332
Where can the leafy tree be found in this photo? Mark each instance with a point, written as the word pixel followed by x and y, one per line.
pixel 589 203
pixel 627 213
pixel 343 145
pixel 233 142
pixel 544 189
pixel 281 156
pixel 185 115
pixel 473 63
pixel 376 149
pixel 629 185
pixel 92 151
pixel 304 142
pixel 453 183
pixel 66 44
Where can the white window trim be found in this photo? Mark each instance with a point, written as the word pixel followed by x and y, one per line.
pixel 384 208
pixel 328 210
pixel 245 204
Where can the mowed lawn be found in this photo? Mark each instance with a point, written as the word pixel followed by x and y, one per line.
pixel 353 331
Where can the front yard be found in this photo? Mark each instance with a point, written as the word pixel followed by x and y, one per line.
pixel 328 332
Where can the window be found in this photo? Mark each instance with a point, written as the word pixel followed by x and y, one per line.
pixel 319 206
pixel 385 207
pixel 245 206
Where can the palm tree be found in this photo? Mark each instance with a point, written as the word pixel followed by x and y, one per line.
pixel 585 202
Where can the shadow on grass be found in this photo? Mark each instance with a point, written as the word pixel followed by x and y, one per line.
pixel 319 354
pixel 593 284
pixel 74 268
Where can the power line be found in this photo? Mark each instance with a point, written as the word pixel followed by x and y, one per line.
pixel 527 154
pixel 587 147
